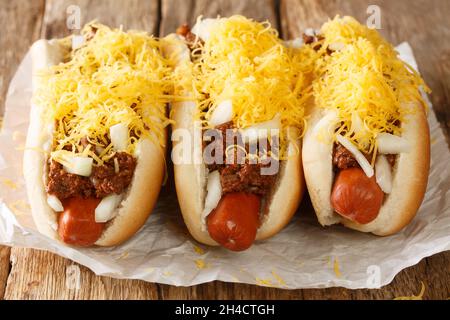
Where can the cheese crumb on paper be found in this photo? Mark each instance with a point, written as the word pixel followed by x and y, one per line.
pixel 9 183
pixel 201 264
pixel 278 278
pixel 418 297
pixel 337 271
pixel 199 250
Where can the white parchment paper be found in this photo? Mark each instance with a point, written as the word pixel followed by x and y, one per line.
pixel 303 255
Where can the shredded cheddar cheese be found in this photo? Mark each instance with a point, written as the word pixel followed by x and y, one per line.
pixel 115 77
pixel 244 61
pixel 359 74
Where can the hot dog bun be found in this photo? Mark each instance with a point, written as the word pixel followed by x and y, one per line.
pixel 141 195
pixel 410 174
pixel 190 179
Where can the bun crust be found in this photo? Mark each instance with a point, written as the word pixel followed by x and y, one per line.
pixel 141 196
pixel 410 175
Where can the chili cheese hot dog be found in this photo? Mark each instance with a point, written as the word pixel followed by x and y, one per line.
pixel 94 158
pixel 366 151
pixel 242 85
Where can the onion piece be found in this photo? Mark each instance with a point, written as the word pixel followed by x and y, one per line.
pixel 357 123
pixel 362 161
pixel 392 144
pixel 55 203
pixel 261 130
pixel 214 193
pixel 106 209
pixel 77 42
pixel 119 136
pixel 311 32
pixel 297 43
pixel 81 166
pixel 222 113
pixel 383 174
pixel 336 46
pixel 174 48
pixel 203 28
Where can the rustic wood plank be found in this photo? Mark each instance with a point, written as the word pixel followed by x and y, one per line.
pixel 132 14
pixel 4 268
pixel 423 23
pixel 19 20
pixel 37 274
pixel 174 12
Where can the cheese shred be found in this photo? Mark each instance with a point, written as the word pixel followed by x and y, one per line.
pixel 245 61
pixel 114 77
pixel 364 80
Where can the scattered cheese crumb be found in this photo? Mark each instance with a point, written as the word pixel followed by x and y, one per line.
pixel 199 250
pixel 263 282
pixel 201 264
pixel 9 183
pixel 123 255
pixel 418 297
pixel 278 278
pixel 336 268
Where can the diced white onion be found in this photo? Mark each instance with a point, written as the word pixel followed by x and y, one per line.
pixel 203 28
pixel 55 203
pixel 222 113
pixel 310 32
pixel 336 46
pixel 119 136
pixel 261 130
pixel 214 193
pixel 81 166
pixel 106 209
pixel 77 42
pixel 295 44
pixel 357 123
pixel 391 144
pixel 383 174
pixel 362 161
pixel 175 48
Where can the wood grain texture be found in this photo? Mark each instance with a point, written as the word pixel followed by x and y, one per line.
pixel 21 22
pixel 132 14
pixel 18 19
pixel 4 268
pixel 37 274
pixel 423 23
pixel 176 12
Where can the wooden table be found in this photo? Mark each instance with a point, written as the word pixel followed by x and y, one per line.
pixel 33 274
